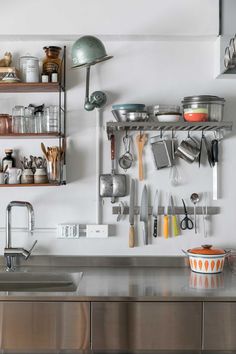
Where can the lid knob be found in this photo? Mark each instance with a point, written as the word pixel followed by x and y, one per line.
pixel 207 247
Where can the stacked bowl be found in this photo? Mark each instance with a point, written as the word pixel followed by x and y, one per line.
pixel 129 112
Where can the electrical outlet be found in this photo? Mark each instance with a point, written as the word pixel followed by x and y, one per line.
pixel 97 231
pixel 68 231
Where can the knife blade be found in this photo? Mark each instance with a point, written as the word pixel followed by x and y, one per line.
pixel 144 214
pixel 214 150
pixel 155 213
pixel 131 214
pixel 175 225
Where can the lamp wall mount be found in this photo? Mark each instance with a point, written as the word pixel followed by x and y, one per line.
pixel 97 99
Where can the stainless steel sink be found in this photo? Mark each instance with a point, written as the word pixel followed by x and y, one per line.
pixel 40 281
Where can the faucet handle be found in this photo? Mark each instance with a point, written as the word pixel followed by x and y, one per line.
pixel 31 249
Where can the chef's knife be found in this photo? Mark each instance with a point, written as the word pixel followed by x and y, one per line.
pixel 175 225
pixel 144 214
pixel 155 214
pixel 214 150
pixel 131 214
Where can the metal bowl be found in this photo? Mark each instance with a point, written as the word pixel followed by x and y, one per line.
pixel 137 116
pixel 126 115
pixel 120 114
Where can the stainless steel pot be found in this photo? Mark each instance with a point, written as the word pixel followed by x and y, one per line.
pixel 113 185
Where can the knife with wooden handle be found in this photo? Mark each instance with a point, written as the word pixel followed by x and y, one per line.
pixel 131 214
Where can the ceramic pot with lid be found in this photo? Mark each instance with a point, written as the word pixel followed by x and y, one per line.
pixel 206 259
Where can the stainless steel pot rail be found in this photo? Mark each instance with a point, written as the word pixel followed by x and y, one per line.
pixel 113 127
pixel 178 210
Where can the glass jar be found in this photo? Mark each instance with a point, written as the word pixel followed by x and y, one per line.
pixel 39 122
pixel 5 124
pixel 18 124
pixel 29 119
pixel 52 62
pixel 51 119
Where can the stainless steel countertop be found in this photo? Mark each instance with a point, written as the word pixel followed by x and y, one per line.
pixel 135 284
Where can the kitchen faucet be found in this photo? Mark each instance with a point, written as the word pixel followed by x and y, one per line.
pixel 9 251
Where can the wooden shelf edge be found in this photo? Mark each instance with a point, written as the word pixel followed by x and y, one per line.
pixel 31 185
pixel 30 87
pixel 32 135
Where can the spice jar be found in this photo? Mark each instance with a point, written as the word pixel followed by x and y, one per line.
pixel 52 62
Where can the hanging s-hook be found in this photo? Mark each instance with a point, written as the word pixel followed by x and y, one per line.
pixel 218 134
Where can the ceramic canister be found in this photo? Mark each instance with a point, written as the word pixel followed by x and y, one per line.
pixel 206 259
pixel 27 176
pixel 40 176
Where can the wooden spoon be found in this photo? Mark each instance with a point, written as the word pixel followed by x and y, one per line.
pixel 43 148
pixel 141 140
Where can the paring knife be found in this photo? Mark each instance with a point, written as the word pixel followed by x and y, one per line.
pixel 214 150
pixel 144 214
pixel 131 214
pixel 166 218
pixel 155 213
pixel 175 225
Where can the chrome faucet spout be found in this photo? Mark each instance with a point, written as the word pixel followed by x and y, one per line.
pixel 10 251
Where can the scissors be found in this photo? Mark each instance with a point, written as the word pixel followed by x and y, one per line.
pixel 186 223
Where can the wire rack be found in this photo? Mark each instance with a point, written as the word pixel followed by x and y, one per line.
pixel 113 127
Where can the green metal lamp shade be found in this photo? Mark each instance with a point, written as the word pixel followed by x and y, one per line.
pixel 88 50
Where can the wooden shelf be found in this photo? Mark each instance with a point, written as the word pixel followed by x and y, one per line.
pixel 30 87
pixel 32 135
pixel 51 184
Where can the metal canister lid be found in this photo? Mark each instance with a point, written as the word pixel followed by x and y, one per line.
pixel 203 98
pixel 8 151
pixel 29 57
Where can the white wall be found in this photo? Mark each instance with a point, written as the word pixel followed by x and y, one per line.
pixel 148 72
pixel 109 17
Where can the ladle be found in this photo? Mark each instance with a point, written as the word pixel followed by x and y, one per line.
pixel 195 199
